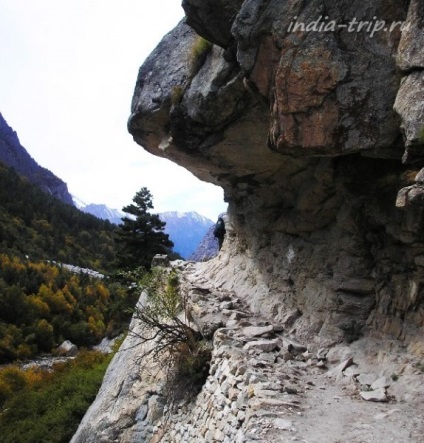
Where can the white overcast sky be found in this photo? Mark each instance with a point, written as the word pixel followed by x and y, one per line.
pixel 67 74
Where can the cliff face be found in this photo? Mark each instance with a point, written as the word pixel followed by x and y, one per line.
pixel 309 118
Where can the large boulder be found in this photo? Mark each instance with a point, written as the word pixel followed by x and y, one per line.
pixel 67 349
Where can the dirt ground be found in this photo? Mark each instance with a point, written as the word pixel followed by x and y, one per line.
pixel 330 408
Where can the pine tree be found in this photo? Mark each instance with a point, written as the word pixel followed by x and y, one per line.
pixel 142 237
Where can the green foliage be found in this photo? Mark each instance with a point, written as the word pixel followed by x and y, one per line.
pixel 142 237
pixel 198 53
pixel 41 305
pixel 35 224
pixel 48 407
pixel 180 349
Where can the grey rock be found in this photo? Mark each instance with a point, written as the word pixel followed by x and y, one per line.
pixel 410 54
pixel 67 349
pixel 226 305
pixel 351 371
pixel 283 424
pixel 409 105
pixel 257 331
pixel 262 345
pixel 419 178
pixel 212 19
pixel 366 379
pixel 410 196
pixel 340 368
pixel 322 354
pixel 379 395
pixel 382 382
pixel 287 356
pixel 338 354
pixel 266 357
pixel 122 395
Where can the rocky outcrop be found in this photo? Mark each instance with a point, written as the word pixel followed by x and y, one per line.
pixel 307 116
pixel 126 405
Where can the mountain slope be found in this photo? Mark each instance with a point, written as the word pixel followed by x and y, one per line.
pixel 14 155
pixel 207 248
pixel 36 224
pixel 186 230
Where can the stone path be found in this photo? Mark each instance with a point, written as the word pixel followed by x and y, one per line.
pixel 265 387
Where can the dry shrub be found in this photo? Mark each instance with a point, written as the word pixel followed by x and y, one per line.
pixel 179 349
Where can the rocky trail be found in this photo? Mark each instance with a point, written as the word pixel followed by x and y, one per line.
pixel 266 387
pixel 263 385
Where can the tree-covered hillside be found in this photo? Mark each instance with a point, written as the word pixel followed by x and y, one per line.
pixel 42 305
pixel 37 225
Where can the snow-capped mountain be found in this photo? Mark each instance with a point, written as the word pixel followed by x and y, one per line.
pixel 99 211
pixel 78 203
pixel 105 213
pixel 186 230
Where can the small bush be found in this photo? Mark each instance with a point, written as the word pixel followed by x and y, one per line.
pixel 180 349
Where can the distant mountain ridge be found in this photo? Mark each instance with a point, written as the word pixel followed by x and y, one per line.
pixel 186 230
pixel 14 155
pixel 100 211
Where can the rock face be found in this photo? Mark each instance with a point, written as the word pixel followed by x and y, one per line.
pixel 307 117
pixel 14 155
pixel 208 247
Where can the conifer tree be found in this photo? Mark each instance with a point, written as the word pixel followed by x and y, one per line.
pixel 141 236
